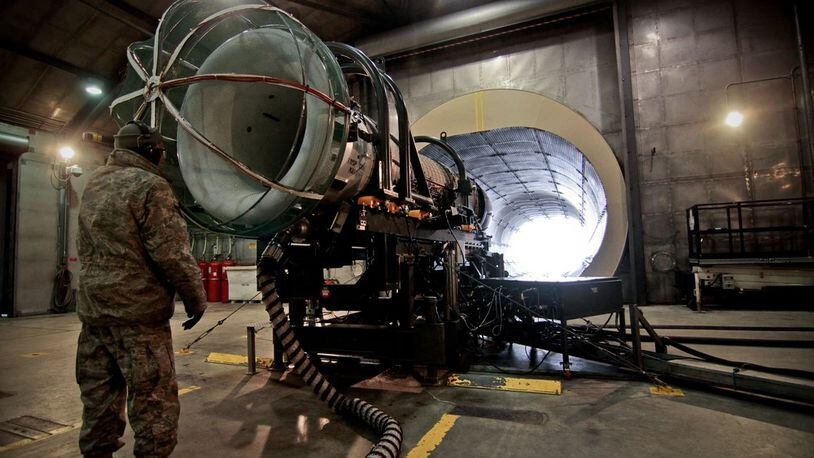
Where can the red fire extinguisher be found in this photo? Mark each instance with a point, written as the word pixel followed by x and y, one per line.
pixel 224 284
pixel 214 271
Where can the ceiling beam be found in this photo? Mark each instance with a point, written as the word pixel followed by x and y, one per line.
pixel 72 131
pixel 357 14
pixel 25 51
pixel 126 14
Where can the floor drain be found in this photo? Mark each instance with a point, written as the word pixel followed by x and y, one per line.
pixel 22 430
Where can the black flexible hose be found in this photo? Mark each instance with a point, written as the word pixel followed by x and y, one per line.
pixel 799 373
pixel 62 297
pixel 388 429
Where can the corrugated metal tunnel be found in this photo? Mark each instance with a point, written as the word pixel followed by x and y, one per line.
pixel 557 192
pixel 543 190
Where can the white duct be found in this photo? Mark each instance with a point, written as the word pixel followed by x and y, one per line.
pixel 465 23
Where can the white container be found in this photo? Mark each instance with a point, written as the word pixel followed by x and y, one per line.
pixel 242 283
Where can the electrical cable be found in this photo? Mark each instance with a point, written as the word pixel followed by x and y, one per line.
pixel 460 246
pixel 740 365
pixel 702 356
pixel 625 362
pixel 599 328
pixel 62 183
pixel 219 323
pixel 62 295
pixel 439 399
pixel 530 371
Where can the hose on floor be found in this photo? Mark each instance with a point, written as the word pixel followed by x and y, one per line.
pixel 740 365
pixel 388 429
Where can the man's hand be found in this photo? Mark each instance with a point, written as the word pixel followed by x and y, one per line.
pixel 192 321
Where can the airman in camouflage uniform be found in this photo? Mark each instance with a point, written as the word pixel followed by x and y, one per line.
pixel 135 255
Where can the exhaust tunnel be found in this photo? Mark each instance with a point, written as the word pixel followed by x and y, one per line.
pixel 556 188
pixel 548 205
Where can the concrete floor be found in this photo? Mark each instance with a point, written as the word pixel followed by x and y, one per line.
pixel 233 414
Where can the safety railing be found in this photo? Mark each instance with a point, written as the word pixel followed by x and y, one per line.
pixel 766 231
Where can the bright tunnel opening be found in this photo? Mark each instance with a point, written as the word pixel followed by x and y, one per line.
pixel 549 207
pixel 550 247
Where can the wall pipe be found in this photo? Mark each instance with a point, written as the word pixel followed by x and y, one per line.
pixel 382 110
pixel 631 157
pixel 465 23
pixel 800 148
pixel 15 143
pixel 407 149
pixel 463 183
pixel 807 102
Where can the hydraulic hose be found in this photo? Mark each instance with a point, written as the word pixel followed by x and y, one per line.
pixel 788 372
pixel 388 429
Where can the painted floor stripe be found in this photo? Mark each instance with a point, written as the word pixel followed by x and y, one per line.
pixel 433 437
pixel 666 391
pixel 188 389
pixel 493 382
pixel 236 360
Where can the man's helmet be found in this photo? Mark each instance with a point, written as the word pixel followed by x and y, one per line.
pixel 141 138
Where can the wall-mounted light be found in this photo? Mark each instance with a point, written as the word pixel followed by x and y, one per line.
pixel 66 152
pixel 92 89
pixel 734 118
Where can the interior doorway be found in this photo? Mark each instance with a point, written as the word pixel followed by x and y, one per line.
pixel 8 200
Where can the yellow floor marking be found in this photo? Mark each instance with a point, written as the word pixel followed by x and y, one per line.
pixel 184 351
pixel 434 436
pixel 236 360
pixel 21 442
pixel 666 391
pixel 530 385
pixel 14 445
pixel 188 389
pixel 523 385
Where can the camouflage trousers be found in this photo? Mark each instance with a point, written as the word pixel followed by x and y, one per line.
pixel 133 363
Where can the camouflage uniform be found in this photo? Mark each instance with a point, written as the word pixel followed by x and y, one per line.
pixel 135 255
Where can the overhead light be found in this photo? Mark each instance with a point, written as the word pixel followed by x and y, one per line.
pixel 734 118
pixel 67 152
pixel 93 90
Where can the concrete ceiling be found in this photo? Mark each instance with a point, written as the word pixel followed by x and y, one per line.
pixel 49 51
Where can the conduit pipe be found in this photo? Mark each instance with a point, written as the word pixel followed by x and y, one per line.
pixel 465 23
pixel 15 143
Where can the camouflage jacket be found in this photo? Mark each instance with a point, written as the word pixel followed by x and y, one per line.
pixel 134 247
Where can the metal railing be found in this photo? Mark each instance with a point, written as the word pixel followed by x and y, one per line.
pixel 767 231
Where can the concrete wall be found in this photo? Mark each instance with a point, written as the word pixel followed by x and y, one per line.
pixel 683 54
pixel 36 225
pixel 36 236
pixel 571 63
pixel 37 209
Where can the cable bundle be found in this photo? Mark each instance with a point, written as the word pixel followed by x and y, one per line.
pixel 62 296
